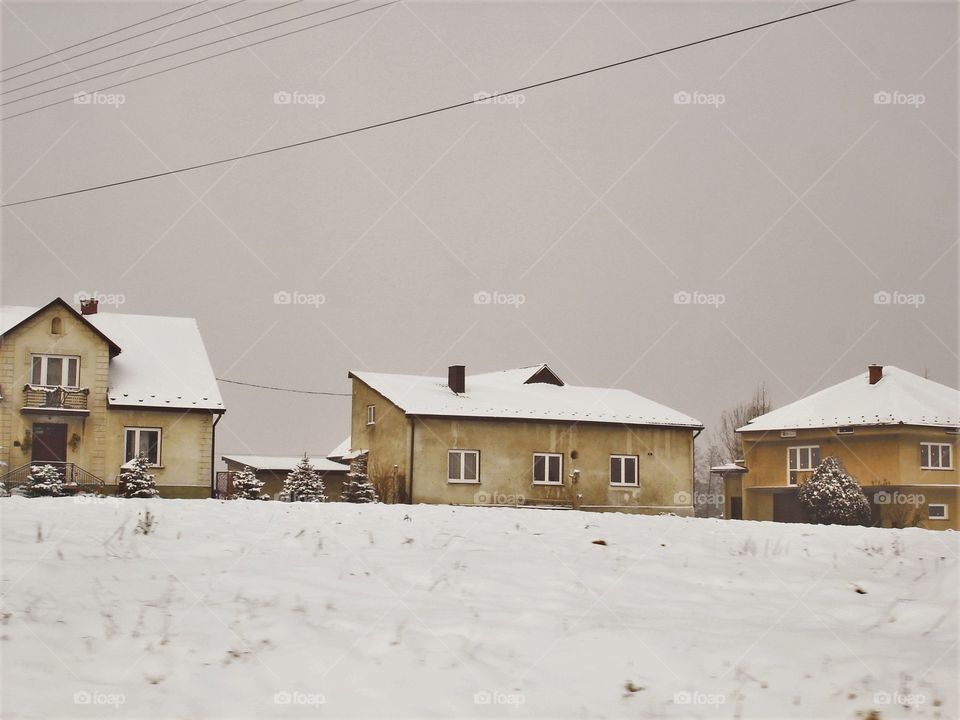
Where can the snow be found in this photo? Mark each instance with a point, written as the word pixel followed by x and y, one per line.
pixel 263 609
pixel 506 394
pixel 343 451
pixel 900 397
pixel 286 462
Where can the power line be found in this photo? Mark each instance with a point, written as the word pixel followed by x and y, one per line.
pixel 73 71
pixel 173 54
pixel 281 389
pixel 208 57
pixel 426 113
pixel 98 37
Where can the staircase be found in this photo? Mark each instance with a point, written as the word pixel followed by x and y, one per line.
pixel 76 480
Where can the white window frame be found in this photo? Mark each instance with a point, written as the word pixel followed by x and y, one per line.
pixel 136 431
pixel 546 473
pixel 622 482
pixel 371 414
pixel 44 359
pixel 946 511
pixel 939 446
pixel 846 430
pixel 462 480
pixel 798 469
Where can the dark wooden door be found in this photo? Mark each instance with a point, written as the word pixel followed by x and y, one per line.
pixel 736 508
pixel 787 508
pixel 49 443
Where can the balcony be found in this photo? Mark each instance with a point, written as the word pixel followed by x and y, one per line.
pixel 54 400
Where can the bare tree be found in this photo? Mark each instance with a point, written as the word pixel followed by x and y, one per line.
pixel 725 437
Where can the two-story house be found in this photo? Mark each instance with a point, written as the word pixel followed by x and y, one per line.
pixel 895 432
pixel 87 391
pixel 522 437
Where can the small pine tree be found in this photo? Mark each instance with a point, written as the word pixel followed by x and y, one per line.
pixel 247 486
pixel 44 481
pixel 136 481
pixel 832 497
pixel 304 484
pixel 357 487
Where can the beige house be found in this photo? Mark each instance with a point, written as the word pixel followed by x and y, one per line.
pixel 521 437
pixel 272 470
pixel 895 432
pixel 87 391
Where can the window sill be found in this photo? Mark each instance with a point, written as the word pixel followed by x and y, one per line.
pixel 625 485
pixel 549 484
pixel 936 469
pixel 462 482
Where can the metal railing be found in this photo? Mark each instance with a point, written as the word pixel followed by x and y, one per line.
pixel 75 479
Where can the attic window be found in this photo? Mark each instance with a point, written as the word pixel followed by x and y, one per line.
pixel 788 433
pixel 544 375
pixel 56 326
pixel 845 430
pixel 371 414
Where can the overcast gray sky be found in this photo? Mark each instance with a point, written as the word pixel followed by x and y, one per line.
pixel 785 192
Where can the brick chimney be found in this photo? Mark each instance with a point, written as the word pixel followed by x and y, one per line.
pixel 88 306
pixel 876 372
pixel 456 378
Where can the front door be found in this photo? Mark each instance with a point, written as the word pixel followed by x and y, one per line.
pixel 49 443
pixel 787 508
pixel 736 508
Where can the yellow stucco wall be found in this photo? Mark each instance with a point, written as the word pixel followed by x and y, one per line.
pixel 96 442
pixel 877 457
pixel 665 458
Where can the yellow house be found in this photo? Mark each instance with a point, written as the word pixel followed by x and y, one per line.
pixel 87 391
pixel 521 437
pixel 895 432
pixel 272 470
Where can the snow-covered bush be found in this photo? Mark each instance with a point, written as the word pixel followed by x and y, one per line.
pixel 357 487
pixel 136 482
pixel 304 484
pixel 247 486
pixel 43 481
pixel 832 497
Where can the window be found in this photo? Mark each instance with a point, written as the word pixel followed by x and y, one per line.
pixel 937 511
pixel 845 430
pixel 54 370
pixel 801 460
pixel 936 456
pixel 56 326
pixel 463 466
pixel 145 441
pixel 788 433
pixel 371 414
pixel 623 469
pixel 547 469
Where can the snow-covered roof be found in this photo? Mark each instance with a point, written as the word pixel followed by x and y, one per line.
pixel 509 394
pixel 161 363
pixel 343 451
pixel 285 462
pixel 898 398
pixel 728 467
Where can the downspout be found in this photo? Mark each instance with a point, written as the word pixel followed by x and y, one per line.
pixel 213 456
pixel 413 428
pixel 693 465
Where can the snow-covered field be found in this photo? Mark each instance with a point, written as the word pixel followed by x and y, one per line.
pixel 256 609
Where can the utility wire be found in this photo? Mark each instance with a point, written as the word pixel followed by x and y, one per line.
pixel 98 37
pixel 122 40
pixel 170 55
pixel 208 57
pixel 426 113
pixel 281 389
pixel 73 71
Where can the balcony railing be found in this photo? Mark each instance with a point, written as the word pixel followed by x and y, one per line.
pixel 54 397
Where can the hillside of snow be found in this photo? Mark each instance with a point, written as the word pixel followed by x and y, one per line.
pixel 273 610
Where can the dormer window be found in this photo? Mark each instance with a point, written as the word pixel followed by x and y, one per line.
pixel 56 326
pixel 55 370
